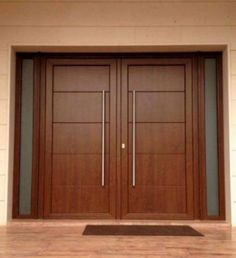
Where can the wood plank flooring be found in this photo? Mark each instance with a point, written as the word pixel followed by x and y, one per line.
pixel 64 239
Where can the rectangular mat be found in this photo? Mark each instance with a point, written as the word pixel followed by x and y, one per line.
pixel 140 230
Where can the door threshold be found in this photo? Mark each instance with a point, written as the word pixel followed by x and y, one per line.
pixel 83 222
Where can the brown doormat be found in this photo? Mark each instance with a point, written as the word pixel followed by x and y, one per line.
pixel 139 230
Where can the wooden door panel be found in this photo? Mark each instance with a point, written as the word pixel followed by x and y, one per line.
pixel 156 77
pixel 158 138
pixel 89 199
pixel 157 165
pixel 81 77
pixel 78 170
pixel 79 107
pixel 74 138
pixel 158 170
pixel 157 199
pixel 77 138
pixel 158 107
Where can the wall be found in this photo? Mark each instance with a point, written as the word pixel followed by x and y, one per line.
pixel 233 134
pixel 124 25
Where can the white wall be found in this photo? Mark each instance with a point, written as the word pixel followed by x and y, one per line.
pixel 148 25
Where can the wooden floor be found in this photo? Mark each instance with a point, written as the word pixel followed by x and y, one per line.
pixel 64 239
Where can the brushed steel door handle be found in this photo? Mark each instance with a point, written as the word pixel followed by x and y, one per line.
pixel 103 138
pixel 134 142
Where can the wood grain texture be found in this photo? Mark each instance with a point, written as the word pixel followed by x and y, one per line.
pixel 79 107
pixel 157 199
pixel 64 239
pixel 81 77
pixel 158 107
pixel 156 77
pixel 159 169
pixel 159 138
pixel 78 169
pixel 78 138
pixel 72 200
pixel 74 139
pixel 161 163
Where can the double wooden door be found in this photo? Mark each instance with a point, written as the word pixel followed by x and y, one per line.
pixel 119 138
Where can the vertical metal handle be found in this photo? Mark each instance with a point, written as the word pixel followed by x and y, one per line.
pixel 103 138
pixel 134 138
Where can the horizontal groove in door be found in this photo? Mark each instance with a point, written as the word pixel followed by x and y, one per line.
pixel 164 122
pixel 79 122
pixel 157 91
pixel 80 91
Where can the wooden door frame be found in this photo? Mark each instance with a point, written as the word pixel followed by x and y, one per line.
pixel 220 136
pixel 200 209
pixel 17 140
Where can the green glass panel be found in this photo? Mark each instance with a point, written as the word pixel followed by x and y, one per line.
pixel 211 137
pixel 26 145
